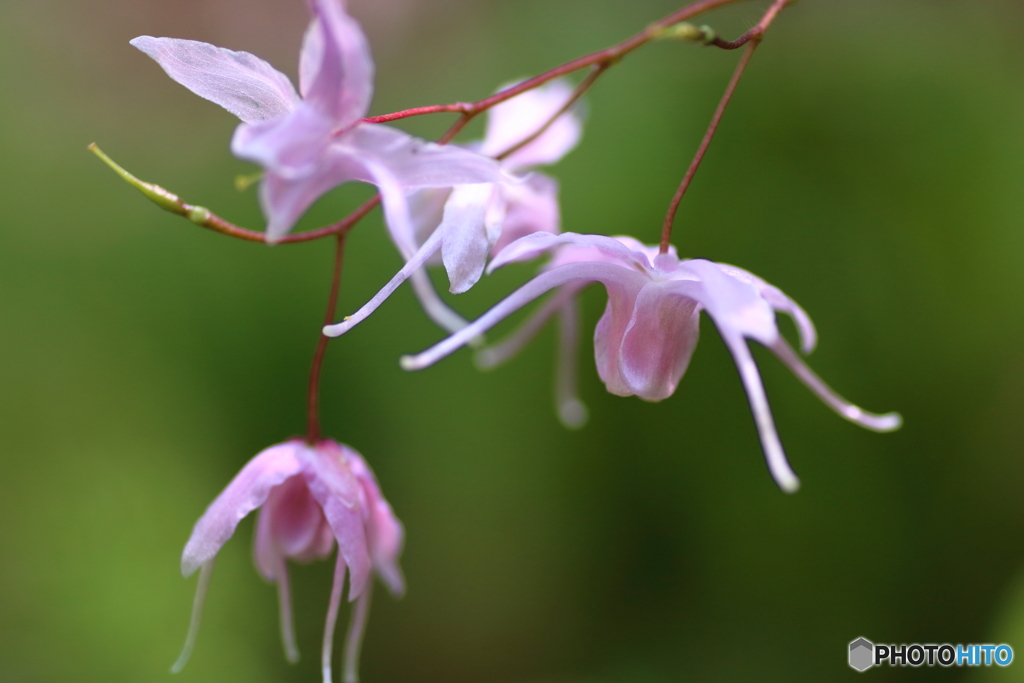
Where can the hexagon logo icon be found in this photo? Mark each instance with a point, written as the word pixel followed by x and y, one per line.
pixel 862 654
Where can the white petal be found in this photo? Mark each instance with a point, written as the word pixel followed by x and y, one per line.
pixel 734 303
pixel 417 163
pixel 609 250
pixel 879 423
pixel 465 244
pixel 414 264
pixel 575 272
pixel 242 83
pixel 773 452
pixel 780 302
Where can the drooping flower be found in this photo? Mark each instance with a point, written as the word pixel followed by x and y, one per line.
pixel 649 330
pixel 312 144
pixel 310 497
pixel 470 221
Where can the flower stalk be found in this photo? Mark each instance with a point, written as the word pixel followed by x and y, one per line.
pixel 313 433
pixel 751 39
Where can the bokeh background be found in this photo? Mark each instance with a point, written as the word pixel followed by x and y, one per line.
pixel 871 165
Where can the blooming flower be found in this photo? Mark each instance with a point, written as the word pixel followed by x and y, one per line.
pixel 310 497
pixel 472 220
pixel 311 144
pixel 644 340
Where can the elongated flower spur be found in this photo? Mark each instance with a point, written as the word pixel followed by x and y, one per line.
pixel 649 330
pixel 312 144
pixel 309 498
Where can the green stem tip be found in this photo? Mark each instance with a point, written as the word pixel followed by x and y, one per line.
pixel 168 201
pixel 687 31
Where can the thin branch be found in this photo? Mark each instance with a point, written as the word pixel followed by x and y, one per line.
pixel 218 224
pixel 582 88
pixel 755 33
pixel 607 56
pixel 457 108
pixel 313 394
pixel 666 230
pixel 752 39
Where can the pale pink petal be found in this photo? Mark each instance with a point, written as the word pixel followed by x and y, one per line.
pixel 466 238
pixel 516 119
pixel 336 488
pixel 242 83
pixel 354 639
pixel 774 454
pixel 333 604
pixel 387 537
pixel 611 329
pixel 295 521
pixel 335 66
pixel 246 492
pixel 285 200
pixel 416 163
pixel 414 264
pixel 609 274
pixel 265 556
pixel 321 546
pixel 735 304
pixel 397 162
pixel 879 423
pixel 384 531
pixel 657 343
pixel 781 302
pixel 530 207
pixel 291 146
pixel 533 245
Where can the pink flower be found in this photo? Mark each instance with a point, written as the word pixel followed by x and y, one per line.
pixel 311 144
pixel 473 220
pixel 644 340
pixel 311 497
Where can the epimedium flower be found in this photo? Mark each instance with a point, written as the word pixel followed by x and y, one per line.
pixel 310 144
pixel 649 329
pixel 468 222
pixel 310 497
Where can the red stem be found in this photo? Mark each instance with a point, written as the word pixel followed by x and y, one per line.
pixel 606 56
pixel 751 39
pixel 582 88
pixel 313 396
pixel 666 230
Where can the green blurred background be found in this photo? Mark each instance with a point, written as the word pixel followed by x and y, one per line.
pixel 871 166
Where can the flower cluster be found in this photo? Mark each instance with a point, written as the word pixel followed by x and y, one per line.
pixel 472 208
pixel 310 496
